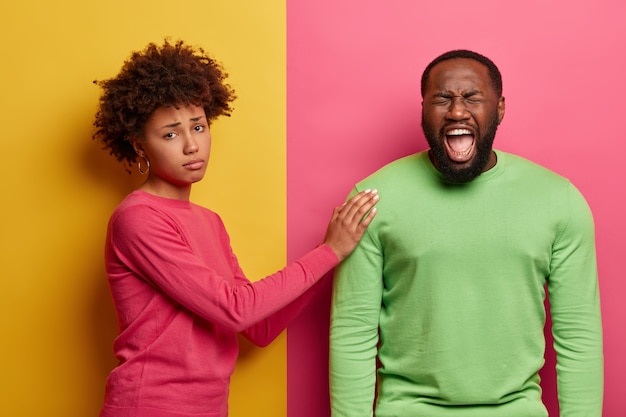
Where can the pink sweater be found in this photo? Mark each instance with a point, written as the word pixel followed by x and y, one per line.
pixel 181 298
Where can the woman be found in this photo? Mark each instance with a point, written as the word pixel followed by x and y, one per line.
pixel 180 296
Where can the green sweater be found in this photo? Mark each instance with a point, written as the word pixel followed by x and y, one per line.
pixel 446 292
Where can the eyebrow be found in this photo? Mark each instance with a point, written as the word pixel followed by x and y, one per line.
pixel 175 124
pixel 446 94
pixel 472 93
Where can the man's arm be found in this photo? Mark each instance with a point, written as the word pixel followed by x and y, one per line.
pixel 575 312
pixel 356 304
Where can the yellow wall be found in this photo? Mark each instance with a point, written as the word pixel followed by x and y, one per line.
pixel 59 187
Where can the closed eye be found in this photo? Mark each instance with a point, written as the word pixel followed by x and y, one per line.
pixel 441 99
pixel 473 97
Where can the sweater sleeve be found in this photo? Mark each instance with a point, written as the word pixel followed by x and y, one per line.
pixel 575 313
pixel 147 243
pixel 356 304
pixel 265 331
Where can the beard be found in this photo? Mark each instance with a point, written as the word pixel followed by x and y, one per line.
pixel 450 170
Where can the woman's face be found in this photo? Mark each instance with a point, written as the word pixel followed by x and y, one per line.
pixel 177 142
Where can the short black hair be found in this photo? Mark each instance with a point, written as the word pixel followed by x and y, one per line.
pixel 494 72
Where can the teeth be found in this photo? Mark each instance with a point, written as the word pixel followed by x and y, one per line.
pixel 458 132
pixel 462 154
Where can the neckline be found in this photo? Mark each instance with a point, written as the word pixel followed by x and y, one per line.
pixel 165 201
pixel 495 171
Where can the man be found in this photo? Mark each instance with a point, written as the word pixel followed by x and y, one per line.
pixel 440 310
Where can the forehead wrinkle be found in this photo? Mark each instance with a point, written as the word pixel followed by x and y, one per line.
pixel 451 93
pixel 170 125
pixel 176 124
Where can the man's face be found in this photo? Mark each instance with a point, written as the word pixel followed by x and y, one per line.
pixel 460 115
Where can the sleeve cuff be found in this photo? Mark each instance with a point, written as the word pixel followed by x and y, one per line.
pixel 320 260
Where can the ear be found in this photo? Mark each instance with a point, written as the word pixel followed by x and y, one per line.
pixel 501 108
pixel 138 146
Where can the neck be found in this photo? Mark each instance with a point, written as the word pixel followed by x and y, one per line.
pixel 167 190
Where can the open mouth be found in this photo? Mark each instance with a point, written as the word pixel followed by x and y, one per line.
pixel 460 144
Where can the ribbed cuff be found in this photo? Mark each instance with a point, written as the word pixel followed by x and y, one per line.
pixel 320 260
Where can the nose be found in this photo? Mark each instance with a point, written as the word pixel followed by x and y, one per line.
pixel 457 109
pixel 191 145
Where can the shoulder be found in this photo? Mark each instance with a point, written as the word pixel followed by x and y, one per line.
pixel 521 172
pixel 405 167
pixel 132 208
pixel 407 162
pixel 140 211
pixel 543 184
pixel 517 163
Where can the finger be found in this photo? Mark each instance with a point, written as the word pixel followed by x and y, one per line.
pixel 346 206
pixel 365 212
pixel 335 214
pixel 368 218
pixel 359 208
pixel 357 201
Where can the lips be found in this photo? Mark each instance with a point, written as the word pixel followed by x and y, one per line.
pixel 460 144
pixel 194 164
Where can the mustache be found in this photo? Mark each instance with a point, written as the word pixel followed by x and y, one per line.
pixel 460 126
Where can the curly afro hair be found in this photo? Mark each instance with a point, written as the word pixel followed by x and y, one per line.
pixel 168 75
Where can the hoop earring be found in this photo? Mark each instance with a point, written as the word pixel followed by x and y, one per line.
pixel 147 166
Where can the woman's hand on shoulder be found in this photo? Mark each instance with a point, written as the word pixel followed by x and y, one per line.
pixel 349 222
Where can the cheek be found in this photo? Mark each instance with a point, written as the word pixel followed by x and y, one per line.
pixel 160 162
pixel 207 149
pixel 432 119
pixel 486 117
pixel 434 113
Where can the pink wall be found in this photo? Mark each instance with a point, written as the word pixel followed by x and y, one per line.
pixel 354 105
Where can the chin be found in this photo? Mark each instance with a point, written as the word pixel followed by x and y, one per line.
pixel 460 173
pixel 460 176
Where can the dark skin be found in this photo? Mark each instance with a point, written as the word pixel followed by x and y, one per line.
pixel 460 114
pixel 177 142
